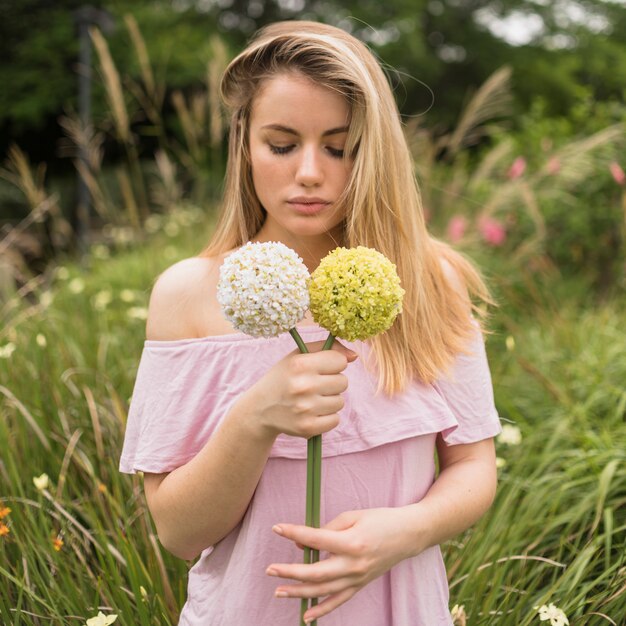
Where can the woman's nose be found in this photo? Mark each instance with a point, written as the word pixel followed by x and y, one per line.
pixel 309 170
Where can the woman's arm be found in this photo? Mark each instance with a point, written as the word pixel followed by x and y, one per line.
pixel 199 503
pixel 365 544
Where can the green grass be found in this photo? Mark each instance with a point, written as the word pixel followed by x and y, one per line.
pixel 556 532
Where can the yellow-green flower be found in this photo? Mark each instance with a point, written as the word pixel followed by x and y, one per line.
pixel 355 293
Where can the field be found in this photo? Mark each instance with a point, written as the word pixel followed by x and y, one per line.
pixel 83 541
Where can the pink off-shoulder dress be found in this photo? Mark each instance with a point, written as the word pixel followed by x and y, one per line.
pixel 380 455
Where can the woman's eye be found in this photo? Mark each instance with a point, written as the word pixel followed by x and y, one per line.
pixel 336 152
pixel 280 149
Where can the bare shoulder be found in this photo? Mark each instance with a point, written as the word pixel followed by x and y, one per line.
pixel 178 297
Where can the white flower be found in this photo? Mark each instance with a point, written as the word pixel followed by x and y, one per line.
pixel 100 251
pixel 153 223
pixel 102 299
pixel 62 273
pixel 46 299
pixel 138 313
pixel 128 295
pixel 101 619
pixel 550 612
pixel 76 285
pixel 263 289
pixel 41 340
pixel 510 435
pixel 500 462
pixel 7 350
pixel 41 482
pixel 510 343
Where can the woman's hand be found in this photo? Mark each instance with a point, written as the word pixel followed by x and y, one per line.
pixel 362 545
pixel 300 395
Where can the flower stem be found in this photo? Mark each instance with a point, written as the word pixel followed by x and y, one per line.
pixel 296 337
pixel 304 603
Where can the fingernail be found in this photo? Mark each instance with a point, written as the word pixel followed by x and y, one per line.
pixel 308 620
pixel 278 530
pixel 280 594
pixel 271 572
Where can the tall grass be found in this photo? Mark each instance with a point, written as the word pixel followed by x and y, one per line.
pixel 556 532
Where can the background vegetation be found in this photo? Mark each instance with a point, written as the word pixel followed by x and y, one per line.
pixel 520 159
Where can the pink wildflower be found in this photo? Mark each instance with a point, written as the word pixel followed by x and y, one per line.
pixel 517 168
pixel 554 165
pixel 456 228
pixel 618 173
pixel 492 231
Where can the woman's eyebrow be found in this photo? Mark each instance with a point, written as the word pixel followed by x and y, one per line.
pixel 291 131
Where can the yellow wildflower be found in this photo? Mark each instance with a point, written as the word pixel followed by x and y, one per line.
pixel 57 543
pixel 101 619
pixel 4 529
pixel 41 482
pixel 4 511
pixel 355 293
pixel 459 617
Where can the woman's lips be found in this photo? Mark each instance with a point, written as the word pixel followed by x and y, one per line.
pixel 308 208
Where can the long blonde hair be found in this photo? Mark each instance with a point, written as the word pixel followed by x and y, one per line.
pixel 381 201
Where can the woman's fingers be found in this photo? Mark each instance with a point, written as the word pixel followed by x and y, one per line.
pixel 317 538
pixel 328 605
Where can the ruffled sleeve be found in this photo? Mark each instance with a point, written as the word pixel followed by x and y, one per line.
pixel 185 388
pixel 181 393
pixel 468 393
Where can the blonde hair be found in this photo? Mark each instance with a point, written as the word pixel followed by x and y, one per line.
pixel 381 201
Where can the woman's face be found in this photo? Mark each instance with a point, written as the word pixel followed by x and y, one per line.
pixel 297 135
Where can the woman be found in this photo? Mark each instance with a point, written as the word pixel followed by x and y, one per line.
pixel 219 421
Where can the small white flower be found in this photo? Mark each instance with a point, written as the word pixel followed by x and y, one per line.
pixel 510 343
pixel 263 289
pixel 550 612
pixel 77 285
pixel 41 340
pixel 144 593
pixel 62 273
pixel 101 619
pixel 128 295
pixel 7 350
pixel 102 299
pixel 123 235
pixel 138 313
pixel 46 299
pixel 153 223
pixel 41 482
pixel 500 462
pixel 100 251
pixel 510 435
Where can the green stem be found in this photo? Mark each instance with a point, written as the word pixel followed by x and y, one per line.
pixel 304 603
pixel 296 337
pixel 313 482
